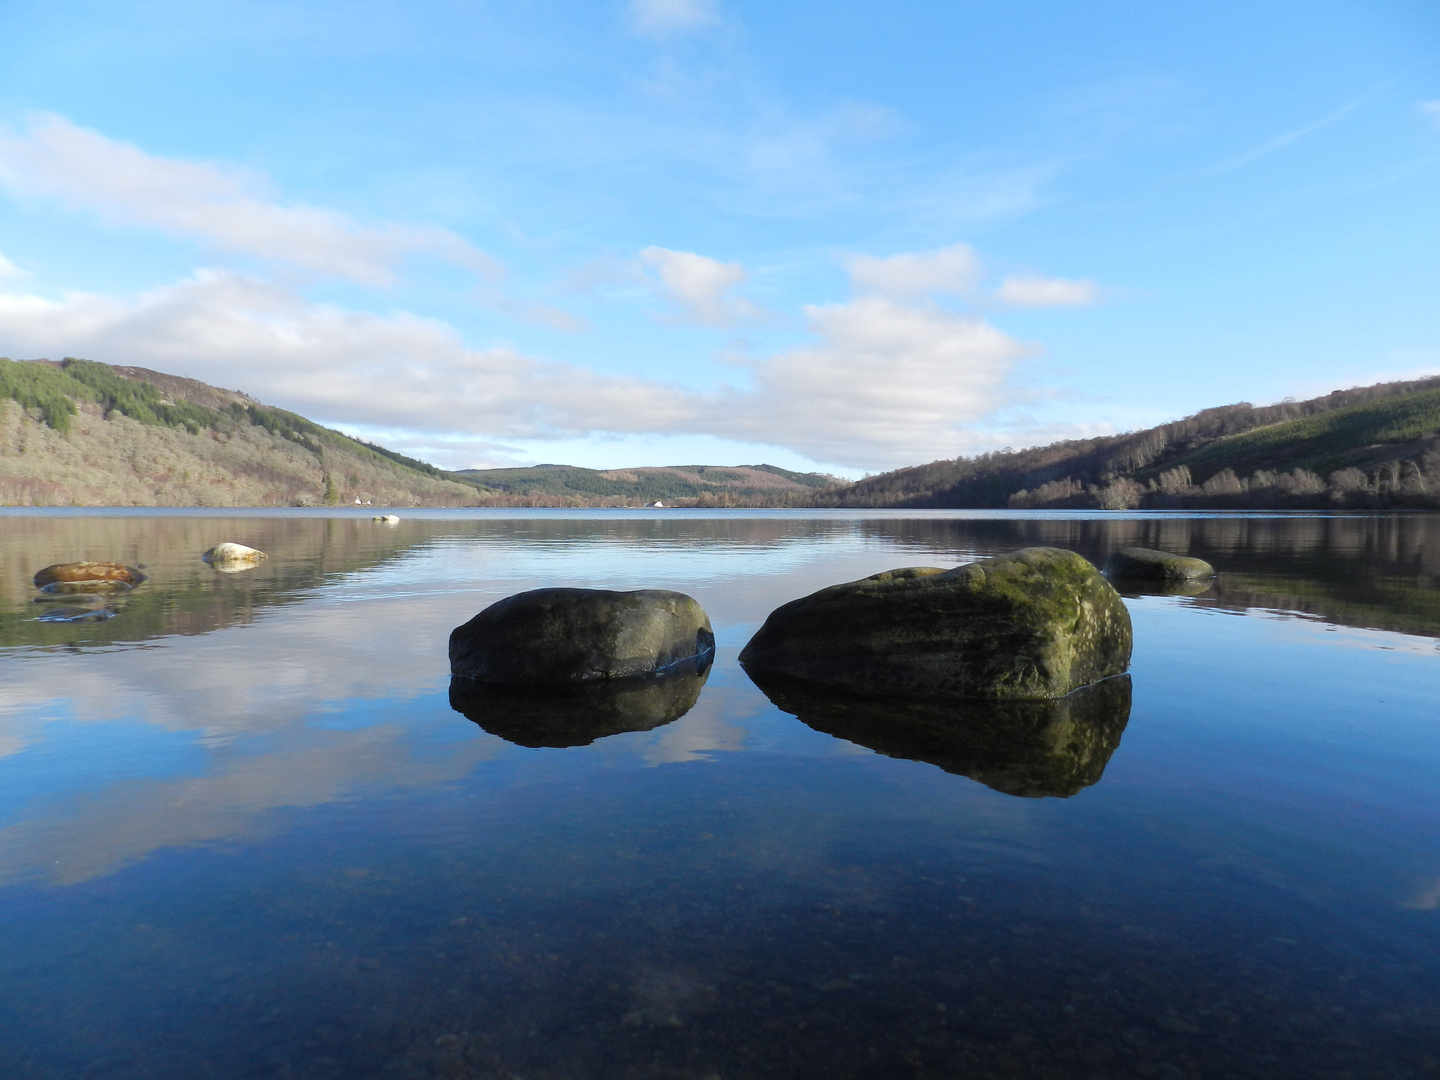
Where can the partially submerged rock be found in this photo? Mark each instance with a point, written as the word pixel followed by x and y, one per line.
pixel 88 577
pixel 577 714
pixel 388 519
pixel 1037 623
pixel 229 557
pixel 1147 564
pixel 1030 749
pixel 558 636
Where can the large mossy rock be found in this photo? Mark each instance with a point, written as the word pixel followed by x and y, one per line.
pixel 1030 749
pixel 550 637
pixel 1037 623
pixel 1147 564
pixel 579 713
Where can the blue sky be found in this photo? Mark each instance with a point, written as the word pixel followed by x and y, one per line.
pixel 843 235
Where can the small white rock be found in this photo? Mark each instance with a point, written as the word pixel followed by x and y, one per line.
pixel 389 519
pixel 231 557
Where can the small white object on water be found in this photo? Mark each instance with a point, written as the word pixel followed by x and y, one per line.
pixel 658 503
pixel 229 558
pixel 388 519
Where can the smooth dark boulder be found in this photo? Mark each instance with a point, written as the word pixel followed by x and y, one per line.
pixel 1030 749
pixel 87 577
pixel 1033 624
pixel 558 636
pixel 1147 564
pixel 579 713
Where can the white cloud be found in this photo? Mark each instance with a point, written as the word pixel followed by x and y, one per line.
pixel 915 274
pixel 661 18
pixel 226 208
pixel 700 287
pixel 330 363
pixel 1029 291
pixel 1432 110
pixel 10 272
pixel 883 384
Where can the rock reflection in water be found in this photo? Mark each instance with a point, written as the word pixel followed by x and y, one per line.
pixel 1141 587
pixel 1026 748
pixel 578 714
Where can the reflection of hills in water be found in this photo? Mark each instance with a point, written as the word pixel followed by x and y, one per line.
pixel 1025 748
pixel 1378 571
pixel 183 595
pixel 578 715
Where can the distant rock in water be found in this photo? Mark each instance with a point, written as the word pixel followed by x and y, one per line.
pixel 87 577
pixel 1146 564
pixel 550 637
pixel 1034 624
pixel 228 557
pixel 1030 749
pixel 579 713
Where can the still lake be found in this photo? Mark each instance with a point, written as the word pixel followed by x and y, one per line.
pixel 244 834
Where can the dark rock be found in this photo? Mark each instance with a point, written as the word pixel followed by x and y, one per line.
pixel 1025 748
pixel 1150 565
pixel 580 713
pixel 557 636
pixel 1037 623
pixel 87 577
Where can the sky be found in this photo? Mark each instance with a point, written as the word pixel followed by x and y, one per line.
pixel 844 236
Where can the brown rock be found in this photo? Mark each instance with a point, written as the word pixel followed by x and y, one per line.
pixel 54 578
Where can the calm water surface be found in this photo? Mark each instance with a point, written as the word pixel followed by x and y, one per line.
pixel 244 834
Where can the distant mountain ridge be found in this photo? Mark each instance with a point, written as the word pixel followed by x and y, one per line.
pixel 691 485
pixel 1368 447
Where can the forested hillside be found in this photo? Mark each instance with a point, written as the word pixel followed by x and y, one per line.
pixel 1374 446
pixel 76 432
pixel 689 485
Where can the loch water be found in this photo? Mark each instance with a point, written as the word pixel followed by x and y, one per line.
pixel 243 832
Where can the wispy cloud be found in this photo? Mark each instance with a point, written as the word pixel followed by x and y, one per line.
pixel 663 18
pixel 10 272
pixel 701 289
pixel 952 270
pixel 1284 140
pixel 227 209
pixel 1035 292
pixel 1431 109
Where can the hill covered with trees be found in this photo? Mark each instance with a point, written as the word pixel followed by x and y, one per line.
pixel 687 485
pixel 77 432
pixel 1369 447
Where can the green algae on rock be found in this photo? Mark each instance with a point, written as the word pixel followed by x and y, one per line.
pixel 556 636
pixel 1036 623
pixel 1151 565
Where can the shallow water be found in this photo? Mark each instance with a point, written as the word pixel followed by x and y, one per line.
pixel 244 834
